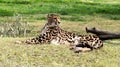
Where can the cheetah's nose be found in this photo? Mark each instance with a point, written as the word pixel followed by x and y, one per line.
pixel 59 22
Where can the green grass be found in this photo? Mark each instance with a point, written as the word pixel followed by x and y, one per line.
pixel 67 7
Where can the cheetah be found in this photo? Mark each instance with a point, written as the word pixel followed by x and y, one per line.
pixel 52 33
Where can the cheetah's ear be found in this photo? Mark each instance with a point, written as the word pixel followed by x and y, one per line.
pixel 48 15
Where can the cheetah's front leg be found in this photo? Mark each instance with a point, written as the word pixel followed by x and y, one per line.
pixel 81 49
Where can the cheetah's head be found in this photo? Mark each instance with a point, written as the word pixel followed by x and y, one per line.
pixel 53 20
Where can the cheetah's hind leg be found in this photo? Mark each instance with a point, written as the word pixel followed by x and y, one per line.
pixel 78 49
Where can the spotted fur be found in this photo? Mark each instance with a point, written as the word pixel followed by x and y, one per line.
pixel 53 34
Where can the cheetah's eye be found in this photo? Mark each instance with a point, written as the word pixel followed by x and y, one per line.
pixel 55 18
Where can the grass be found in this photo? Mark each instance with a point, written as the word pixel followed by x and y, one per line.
pixel 12 55
pixel 75 16
pixel 77 9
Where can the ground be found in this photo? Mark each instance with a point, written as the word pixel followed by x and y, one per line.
pixel 51 55
pixel 75 16
pixel 12 55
